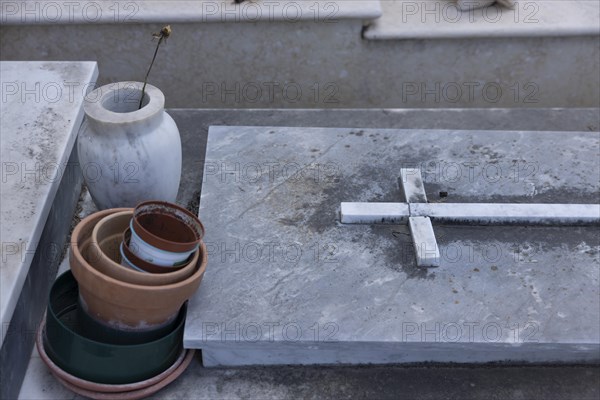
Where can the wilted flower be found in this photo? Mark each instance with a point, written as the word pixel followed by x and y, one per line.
pixel 164 33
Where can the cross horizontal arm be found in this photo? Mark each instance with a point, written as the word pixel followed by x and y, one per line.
pixel 473 213
pixel 374 213
pixel 509 214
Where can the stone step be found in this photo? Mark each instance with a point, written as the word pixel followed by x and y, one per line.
pixel 441 19
pixel 41 112
pixel 195 11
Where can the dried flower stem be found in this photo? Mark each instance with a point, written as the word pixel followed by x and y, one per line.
pixel 164 34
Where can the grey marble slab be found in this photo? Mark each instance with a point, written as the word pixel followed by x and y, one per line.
pixel 41 111
pixel 288 283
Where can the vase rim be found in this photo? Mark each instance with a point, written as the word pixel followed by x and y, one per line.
pixel 116 93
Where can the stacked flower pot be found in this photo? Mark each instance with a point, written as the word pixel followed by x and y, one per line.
pixel 114 323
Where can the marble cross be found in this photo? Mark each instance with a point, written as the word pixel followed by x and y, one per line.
pixel 419 215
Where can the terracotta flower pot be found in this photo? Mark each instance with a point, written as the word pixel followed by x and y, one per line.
pixel 155 255
pixel 164 233
pixel 127 263
pixel 102 253
pixel 125 305
pixel 129 258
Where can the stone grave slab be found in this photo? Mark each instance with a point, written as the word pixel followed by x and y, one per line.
pixel 289 283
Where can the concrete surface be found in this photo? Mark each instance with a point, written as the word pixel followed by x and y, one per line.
pixel 374 382
pixel 310 64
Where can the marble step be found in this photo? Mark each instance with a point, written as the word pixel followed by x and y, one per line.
pixel 441 19
pixel 161 12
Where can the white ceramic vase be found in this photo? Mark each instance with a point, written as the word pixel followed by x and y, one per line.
pixel 129 155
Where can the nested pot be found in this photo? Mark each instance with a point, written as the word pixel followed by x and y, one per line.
pixel 127 154
pixel 129 259
pixel 101 250
pixel 164 234
pixel 125 305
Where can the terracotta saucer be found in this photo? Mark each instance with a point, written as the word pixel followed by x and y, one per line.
pixel 133 394
pixel 131 391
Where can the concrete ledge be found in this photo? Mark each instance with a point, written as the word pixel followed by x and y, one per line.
pixel 113 12
pixel 41 113
pixel 19 335
pixel 441 19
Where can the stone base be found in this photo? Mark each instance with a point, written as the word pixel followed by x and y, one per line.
pixel 232 355
pixel 287 283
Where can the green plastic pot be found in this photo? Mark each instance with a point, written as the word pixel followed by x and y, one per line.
pixel 103 361
pixel 91 328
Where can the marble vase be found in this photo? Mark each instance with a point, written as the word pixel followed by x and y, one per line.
pixel 129 155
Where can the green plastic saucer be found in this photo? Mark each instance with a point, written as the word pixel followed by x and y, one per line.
pixel 106 361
